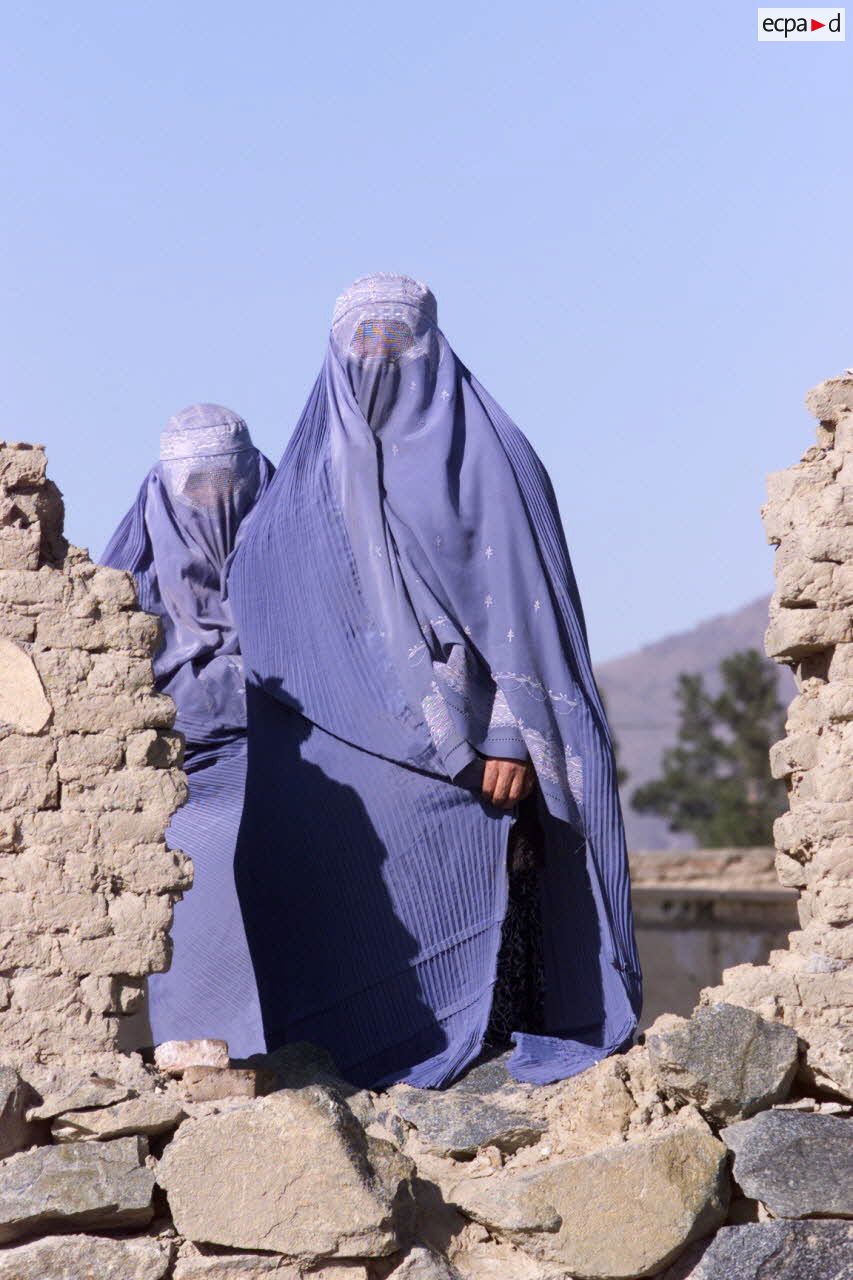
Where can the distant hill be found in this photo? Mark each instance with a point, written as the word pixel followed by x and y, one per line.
pixel 638 689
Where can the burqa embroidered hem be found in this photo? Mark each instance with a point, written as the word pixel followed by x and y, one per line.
pixel 177 540
pixel 406 607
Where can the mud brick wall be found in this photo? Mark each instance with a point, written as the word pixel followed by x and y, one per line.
pixel 89 777
pixel 809 518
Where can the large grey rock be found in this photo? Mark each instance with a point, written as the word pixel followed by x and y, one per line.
pixel 78 1257
pixel 619 1213
pixel 727 1060
pixel 85 1184
pixel 458 1122
pixel 293 1173
pixel 771 1251
pixel 16 1132
pixel 151 1115
pixel 799 1165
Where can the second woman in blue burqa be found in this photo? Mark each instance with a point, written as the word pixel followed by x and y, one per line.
pixel 178 540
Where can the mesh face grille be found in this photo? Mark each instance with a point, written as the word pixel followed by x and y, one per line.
pixel 381 339
pixel 202 487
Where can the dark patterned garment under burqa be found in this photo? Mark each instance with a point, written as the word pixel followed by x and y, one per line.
pixel 518 1000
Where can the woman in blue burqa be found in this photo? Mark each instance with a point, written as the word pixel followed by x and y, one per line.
pixel 431 856
pixel 178 540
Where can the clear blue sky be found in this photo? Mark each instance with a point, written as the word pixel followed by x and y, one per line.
pixel 636 220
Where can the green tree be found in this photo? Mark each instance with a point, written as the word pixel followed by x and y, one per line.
pixel 715 782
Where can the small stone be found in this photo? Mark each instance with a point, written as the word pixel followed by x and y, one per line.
pixel 23 703
pixel 799 1165
pixel 594 1108
pixel 834 1109
pixel 114 587
pixel 84 1184
pixel 196 1263
pixel 68 1092
pixel 22 464
pixel 618 1214
pixel 514 1206
pixel 489 1075
pixel 160 750
pixel 174 1056
pixel 829 1057
pixel 16 1132
pixel 296 1065
pixel 831 399
pixel 337 1271
pixel 771 1251
pixel 423 1264
pixel 151 1115
pixel 207 1084
pixel 79 1257
pixel 726 1059
pixel 458 1123
pixel 301 1063
pixel 303 1180
pixel 83 754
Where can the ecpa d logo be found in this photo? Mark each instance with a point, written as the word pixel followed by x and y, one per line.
pixel 801 24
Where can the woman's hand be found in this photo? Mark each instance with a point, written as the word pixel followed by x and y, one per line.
pixel 505 782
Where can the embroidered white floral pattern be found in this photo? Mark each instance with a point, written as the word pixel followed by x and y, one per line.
pixel 574 775
pixel 437 716
pixel 454 672
pixel 542 754
pixel 562 702
pixel 501 717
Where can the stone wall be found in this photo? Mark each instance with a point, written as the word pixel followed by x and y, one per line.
pixel 90 777
pixel 809 518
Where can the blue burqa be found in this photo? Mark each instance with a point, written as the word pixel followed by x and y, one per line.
pixel 178 540
pixel 406 606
